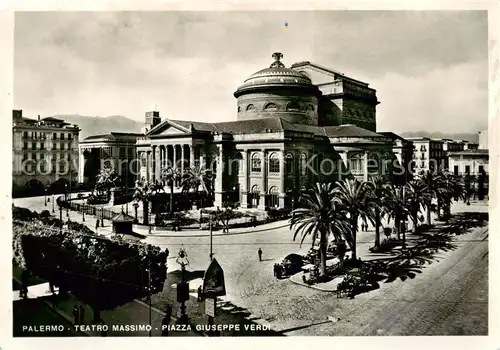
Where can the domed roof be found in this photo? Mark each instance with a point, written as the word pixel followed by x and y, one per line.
pixel 276 75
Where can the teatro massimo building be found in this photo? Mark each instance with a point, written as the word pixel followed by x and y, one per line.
pixel 294 126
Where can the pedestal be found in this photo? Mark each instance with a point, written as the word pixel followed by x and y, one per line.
pixel 218 199
pixel 244 200
pixel 262 201
pixel 282 200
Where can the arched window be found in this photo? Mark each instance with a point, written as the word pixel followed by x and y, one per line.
pixel 255 196
pixel 289 163
pixel 293 106
pixel 256 189
pixel 274 197
pixel 256 163
pixel 270 106
pixel 250 107
pixel 274 164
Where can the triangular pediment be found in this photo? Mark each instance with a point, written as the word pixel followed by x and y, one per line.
pixel 168 128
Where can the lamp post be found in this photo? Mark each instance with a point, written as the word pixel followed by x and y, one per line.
pixel 211 246
pixel 67 198
pixel 183 286
pixel 53 211
pixel 293 205
pixel 45 196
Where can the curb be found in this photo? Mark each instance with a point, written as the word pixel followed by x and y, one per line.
pixel 155 309
pixel 214 234
pixel 312 286
pixel 59 312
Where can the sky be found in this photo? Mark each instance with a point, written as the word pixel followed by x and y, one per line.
pixel 430 68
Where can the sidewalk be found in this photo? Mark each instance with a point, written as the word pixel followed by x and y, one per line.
pixel 134 313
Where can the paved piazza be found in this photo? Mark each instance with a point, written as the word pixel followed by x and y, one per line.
pixel 446 298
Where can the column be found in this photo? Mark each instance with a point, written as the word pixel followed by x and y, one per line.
pixel 174 159
pixel 191 156
pixel 244 186
pixel 182 159
pixel 202 159
pixel 148 165
pixel 219 177
pixel 81 165
pixel 263 187
pixel 282 180
pixel 365 166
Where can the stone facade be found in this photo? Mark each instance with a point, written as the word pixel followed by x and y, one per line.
pixel 283 140
pixel 44 151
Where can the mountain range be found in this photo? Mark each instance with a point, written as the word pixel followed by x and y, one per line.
pixel 102 125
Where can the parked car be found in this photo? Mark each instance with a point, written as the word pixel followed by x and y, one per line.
pixel 292 263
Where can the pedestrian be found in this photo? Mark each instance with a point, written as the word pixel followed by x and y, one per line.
pixel 279 271
pixel 81 315
pixel 275 270
pixel 166 321
pixel 76 312
pixel 97 224
pixel 199 294
pixel 254 220
pixel 260 254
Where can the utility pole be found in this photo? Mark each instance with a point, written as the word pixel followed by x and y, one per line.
pixel 149 290
pixel 211 238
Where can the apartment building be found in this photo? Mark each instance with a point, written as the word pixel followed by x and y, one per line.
pixel 44 154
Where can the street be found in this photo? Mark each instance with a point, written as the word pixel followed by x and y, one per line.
pixel 449 296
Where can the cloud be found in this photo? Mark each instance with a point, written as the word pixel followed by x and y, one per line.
pixel 427 65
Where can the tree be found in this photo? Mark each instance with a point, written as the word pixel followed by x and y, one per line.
pixel 107 179
pixel 378 189
pixel 431 182
pixel 355 199
pixel 102 272
pixel 143 193
pixel 396 208
pixel 196 178
pixel 320 216
pixel 170 177
pixel 416 197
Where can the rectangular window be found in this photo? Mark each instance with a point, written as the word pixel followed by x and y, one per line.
pixel 25 134
pixel 122 152
pixel 33 145
pixel 54 146
pixel 481 169
pixel 25 145
pixel 54 136
pixel 42 146
pixel 455 170
pixel 62 136
pixel 69 136
pixel 467 169
pixel 42 156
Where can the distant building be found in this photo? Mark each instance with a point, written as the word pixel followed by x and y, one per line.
pixel 483 139
pixel 428 154
pixel 116 149
pixel 473 165
pixel 45 154
pixel 403 153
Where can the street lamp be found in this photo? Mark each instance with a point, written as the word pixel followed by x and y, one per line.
pixel 67 203
pixel 183 286
pixel 53 211
pixel 45 196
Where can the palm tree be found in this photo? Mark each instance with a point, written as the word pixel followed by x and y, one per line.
pixel 378 191
pixel 417 196
pixel 169 177
pixel 431 182
pixel 396 208
pixel 197 177
pixel 451 187
pixel 355 200
pixel 143 193
pixel 320 216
